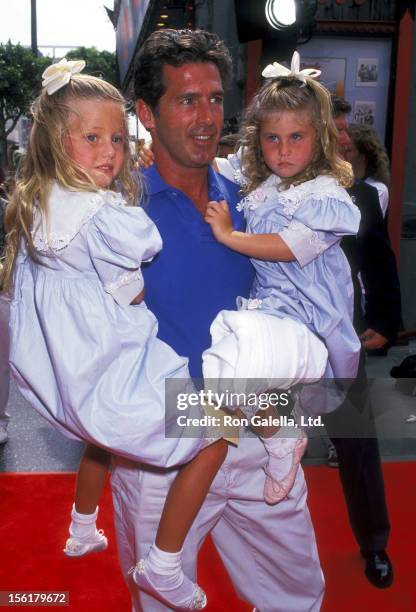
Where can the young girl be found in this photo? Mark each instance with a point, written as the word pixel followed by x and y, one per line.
pixel 296 210
pixel 84 350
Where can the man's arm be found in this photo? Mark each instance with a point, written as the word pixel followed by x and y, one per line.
pixel 139 298
pixel 373 258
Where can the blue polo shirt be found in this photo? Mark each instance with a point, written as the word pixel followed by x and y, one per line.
pixel 194 276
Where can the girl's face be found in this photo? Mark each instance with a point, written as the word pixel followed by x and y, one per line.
pixel 95 139
pixel 287 141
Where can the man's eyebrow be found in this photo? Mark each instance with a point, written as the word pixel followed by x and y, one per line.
pixel 198 94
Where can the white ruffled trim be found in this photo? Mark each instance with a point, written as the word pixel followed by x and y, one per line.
pixel 240 178
pixel 316 243
pixel 54 241
pixel 320 189
pixel 268 190
pixel 252 201
pixel 68 212
pixel 125 279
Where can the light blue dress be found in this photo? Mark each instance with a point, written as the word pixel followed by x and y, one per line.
pixel 315 289
pixel 85 358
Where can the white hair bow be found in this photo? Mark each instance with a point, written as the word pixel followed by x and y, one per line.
pixel 275 70
pixel 58 75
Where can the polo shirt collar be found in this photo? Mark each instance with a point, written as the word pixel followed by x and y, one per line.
pixel 155 183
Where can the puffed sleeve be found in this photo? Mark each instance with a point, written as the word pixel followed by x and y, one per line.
pixel 231 167
pixel 119 239
pixel 318 223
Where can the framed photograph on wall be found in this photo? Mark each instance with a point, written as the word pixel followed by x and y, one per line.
pixel 364 112
pixel 367 72
pixel 333 72
pixel 352 52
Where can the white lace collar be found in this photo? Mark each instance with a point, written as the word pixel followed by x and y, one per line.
pixel 68 212
pixel 322 187
pixel 269 187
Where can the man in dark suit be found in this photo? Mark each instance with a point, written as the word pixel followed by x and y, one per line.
pixel 371 259
pixel 370 255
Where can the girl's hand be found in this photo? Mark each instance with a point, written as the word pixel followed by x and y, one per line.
pixel 219 218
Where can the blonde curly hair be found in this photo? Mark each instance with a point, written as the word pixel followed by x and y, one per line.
pixel 290 94
pixel 47 160
pixel 368 143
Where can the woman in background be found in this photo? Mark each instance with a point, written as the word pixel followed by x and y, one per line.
pixel 369 160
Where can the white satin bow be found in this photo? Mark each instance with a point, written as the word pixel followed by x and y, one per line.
pixel 275 70
pixel 59 74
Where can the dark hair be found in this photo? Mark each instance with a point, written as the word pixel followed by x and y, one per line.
pixel 340 106
pixel 176 48
pixel 229 140
pixel 368 143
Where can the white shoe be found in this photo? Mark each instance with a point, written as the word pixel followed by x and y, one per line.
pixel 78 548
pixel 3 435
pixel 197 601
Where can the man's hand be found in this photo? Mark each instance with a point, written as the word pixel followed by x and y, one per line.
pixel 139 298
pixel 219 218
pixel 372 340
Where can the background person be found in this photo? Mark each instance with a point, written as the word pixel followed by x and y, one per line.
pixel 369 160
pixel 227 145
pixel 371 259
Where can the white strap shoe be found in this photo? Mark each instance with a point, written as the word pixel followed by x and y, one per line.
pixel 75 547
pixel 197 600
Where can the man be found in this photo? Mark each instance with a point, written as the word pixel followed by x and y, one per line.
pixel 269 551
pixel 370 255
pixel 372 260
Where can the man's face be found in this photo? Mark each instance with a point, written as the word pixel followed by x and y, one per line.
pixel 344 140
pixel 187 124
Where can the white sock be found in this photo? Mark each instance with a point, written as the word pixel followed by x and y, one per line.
pixel 164 568
pixel 82 526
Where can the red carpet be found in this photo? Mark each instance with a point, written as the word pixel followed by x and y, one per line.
pixel 34 515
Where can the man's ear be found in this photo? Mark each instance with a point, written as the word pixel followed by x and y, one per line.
pixel 145 114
